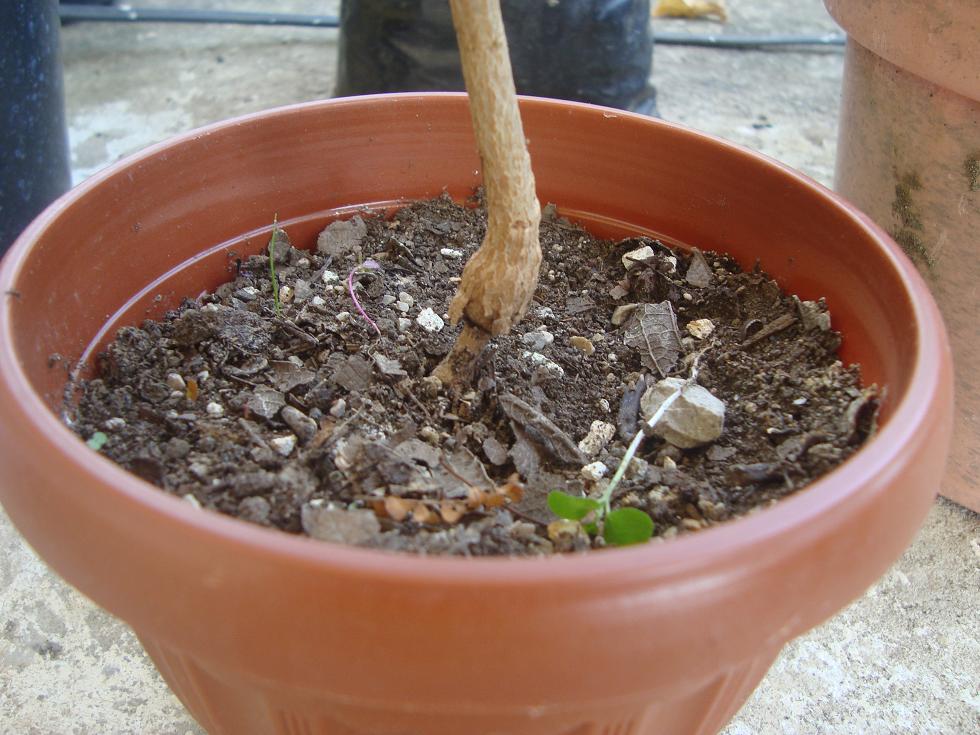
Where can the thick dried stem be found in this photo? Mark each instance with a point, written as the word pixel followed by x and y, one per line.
pixel 499 280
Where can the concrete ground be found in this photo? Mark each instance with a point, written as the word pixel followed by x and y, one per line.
pixel 905 658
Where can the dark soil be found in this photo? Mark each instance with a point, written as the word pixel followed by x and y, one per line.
pixel 309 421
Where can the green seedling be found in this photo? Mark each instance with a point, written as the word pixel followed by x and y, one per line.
pixel 623 526
pixel 97 441
pixel 620 527
pixel 272 264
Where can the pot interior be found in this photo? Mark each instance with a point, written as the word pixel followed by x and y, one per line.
pixel 132 242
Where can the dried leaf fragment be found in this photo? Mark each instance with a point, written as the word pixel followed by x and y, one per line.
pixel 287 375
pixel 652 329
pixel 354 374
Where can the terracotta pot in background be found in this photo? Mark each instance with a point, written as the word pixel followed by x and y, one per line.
pixel 260 632
pixel 909 156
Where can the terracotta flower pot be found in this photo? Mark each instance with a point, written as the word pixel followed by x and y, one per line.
pixel 909 156
pixel 261 632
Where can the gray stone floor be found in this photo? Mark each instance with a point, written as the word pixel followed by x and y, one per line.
pixel 905 658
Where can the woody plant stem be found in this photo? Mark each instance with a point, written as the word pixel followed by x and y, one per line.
pixel 499 280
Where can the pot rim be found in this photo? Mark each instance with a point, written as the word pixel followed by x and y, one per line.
pixel 936 41
pixel 798 518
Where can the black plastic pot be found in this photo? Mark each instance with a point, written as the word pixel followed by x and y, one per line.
pixel 598 51
pixel 34 164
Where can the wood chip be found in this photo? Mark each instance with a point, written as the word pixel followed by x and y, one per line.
pixel 774 327
pixel 541 431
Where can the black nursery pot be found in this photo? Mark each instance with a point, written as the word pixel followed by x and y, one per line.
pixel 34 168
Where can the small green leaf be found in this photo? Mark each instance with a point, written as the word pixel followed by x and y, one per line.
pixel 626 526
pixel 568 506
pixel 97 441
pixel 591 528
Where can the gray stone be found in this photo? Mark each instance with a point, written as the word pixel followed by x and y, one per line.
pixel 265 402
pixel 339 525
pixel 694 418
pixel 341 237
pixel 302 425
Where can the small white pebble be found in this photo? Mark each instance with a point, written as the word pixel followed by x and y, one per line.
pixel 329 277
pixel 429 320
pixel 115 423
pixel 286 294
pixel 450 253
pixel 388 299
pixel 406 298
pixel 177 394
pixel 612 357
pixel 339 408
pixel 303 263
pixel 604 405
pixel 209 308
pixel 176 383
pixel 797 402
pixel 402 307
pixel 545 312
pixel 203 376
pixel 317 301
pixel 339 289
pixel 215 409
pixel 669 464
pixel 250 291
pixel 594 471
pixel 600 434
pixel 536 358
pixel 284 445
pixel 688 297
pixel 404 324
pixel 342 316
pixel 191 500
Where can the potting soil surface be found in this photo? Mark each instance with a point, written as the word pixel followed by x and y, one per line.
pixel 313 417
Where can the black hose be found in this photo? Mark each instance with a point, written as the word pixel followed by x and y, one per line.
pixel 736 42
pixel 158 15
pixel 154 15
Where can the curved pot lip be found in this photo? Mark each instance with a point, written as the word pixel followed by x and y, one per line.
pixel 798 519
pixel 933 40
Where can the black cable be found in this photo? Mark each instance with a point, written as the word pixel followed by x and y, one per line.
pixel 128 14
pixel 155 15
pixel 736 42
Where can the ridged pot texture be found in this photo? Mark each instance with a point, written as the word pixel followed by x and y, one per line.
pixel 260 632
